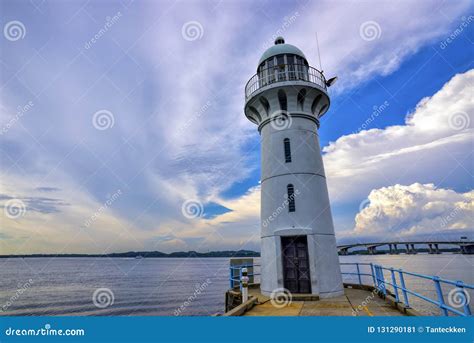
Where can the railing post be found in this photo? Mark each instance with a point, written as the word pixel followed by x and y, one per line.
pixel 377 276
pixel 244 281
pixel 382 280
pixel 240 278
pixel 394 283
pixel 373 274
pixel 467 309
pixel 358 273
pixel 402 283
pixel 440 295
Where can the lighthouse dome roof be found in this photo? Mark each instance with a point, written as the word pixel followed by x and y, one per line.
pixel 280 48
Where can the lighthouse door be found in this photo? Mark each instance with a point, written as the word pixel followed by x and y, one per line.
pixel 295 264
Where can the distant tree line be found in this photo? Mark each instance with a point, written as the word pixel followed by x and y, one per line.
pixel 226 253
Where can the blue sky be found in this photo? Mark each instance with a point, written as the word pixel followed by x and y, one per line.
pixel 123 126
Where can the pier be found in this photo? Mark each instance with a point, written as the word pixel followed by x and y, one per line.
pixel 371 290
pixel 344 305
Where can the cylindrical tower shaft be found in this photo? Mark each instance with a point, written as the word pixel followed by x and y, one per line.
pixel 285 99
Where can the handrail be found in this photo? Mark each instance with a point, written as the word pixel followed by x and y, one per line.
pixel 397 284
pixel 282 73
pixel 378 277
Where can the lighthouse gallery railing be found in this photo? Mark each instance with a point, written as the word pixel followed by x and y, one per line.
pixel 398 284
pixel 282 73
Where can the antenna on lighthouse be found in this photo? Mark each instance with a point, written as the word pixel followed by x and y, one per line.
pixel 319 52
pixel 332 80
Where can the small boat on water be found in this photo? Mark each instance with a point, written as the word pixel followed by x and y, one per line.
pixel 138 257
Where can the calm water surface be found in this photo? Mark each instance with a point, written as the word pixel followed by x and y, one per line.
pixel 155 286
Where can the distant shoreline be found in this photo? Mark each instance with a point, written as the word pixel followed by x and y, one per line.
pixel 150 254
pixel 192 254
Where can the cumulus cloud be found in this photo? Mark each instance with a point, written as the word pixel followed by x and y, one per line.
pixel 414 210
pixel 436 137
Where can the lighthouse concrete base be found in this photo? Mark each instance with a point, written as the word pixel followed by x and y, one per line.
pixel 324 269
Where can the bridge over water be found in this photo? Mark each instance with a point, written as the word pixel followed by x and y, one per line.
pixel 409 247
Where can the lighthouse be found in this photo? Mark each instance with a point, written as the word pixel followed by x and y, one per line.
pixel 286 99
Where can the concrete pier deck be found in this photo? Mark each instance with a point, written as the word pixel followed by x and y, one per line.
pixel 354 302
pixel 358 300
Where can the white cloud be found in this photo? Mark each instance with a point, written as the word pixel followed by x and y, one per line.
pixel 400 30
pixel 413 210
pixel 428 148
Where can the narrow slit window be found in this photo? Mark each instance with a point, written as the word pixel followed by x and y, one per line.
pixel 286 143
pixel 291 198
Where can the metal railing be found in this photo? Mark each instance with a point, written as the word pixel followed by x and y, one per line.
pixel 378 279
pixel 236 280
pixel 282 73
pixel 379 282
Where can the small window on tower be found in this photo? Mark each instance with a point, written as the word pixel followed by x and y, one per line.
pixel 286 143
pixel 282 100
pixel 291 198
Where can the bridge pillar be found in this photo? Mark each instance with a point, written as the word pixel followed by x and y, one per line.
pixel 413 250
pixel 408 248
pixel 344 251
pixel 437 248
pixel 390 249
pixel 467 249
pixel 430 247
pixel 372 250
pixel 395 248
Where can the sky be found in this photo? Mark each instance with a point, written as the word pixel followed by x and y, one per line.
pixel 122 124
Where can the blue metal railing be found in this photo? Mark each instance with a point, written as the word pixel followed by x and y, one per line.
pixel 398 284
pixel 236 281
pixel 379 282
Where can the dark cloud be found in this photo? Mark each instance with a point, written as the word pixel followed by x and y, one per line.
pixel 47 189
pixel 38 204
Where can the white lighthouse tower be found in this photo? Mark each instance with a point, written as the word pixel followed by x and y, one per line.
pixel 285 99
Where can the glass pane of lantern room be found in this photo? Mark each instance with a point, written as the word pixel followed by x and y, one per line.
pixel 262 80
pixel 270 70
pixel 281 67
pixel 291 66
